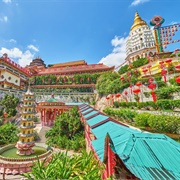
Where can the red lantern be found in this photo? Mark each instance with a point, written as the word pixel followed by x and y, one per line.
pixel 149 66
pixel 145 71
pixel 177 66
pixel 131 87
pixel 122 78
pixel 168 60
pixel 135 71
pixel 152 86
pixel 138 84
pixel 118 95
pixel 129 73
pixel 150 80
pixel 137 90
pixel 5 114
pixel 178 79
pixel 163 72
pixel 126 93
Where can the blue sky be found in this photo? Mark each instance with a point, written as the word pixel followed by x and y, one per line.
pixel 69 30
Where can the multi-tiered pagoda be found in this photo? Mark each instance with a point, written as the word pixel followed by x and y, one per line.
pixel 26 135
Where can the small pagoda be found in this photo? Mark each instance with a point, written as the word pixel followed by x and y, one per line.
pixel 26 135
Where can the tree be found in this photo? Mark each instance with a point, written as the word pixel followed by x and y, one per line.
pixel 67 131
pixel 9 104
pixel 105 83
pixel 8 133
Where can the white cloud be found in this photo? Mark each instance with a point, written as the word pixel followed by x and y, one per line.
pixel 7 1
pixel 118 54
pixel 33 47
pixel 4 19
pixel 137 2
pixel 23 58
pixel 173 22
pixel 12 41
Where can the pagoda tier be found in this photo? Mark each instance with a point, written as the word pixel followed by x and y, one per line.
pixel 37 62
pixel 26 135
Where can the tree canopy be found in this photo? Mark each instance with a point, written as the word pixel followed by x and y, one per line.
pixel 67 131
pixel 9 104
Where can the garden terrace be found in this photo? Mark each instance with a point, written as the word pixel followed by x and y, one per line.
pixel 64 86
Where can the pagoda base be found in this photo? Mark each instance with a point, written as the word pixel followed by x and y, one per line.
pixel 25 152
pixel 25 149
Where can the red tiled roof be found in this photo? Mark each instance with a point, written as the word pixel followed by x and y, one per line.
pixel 72 69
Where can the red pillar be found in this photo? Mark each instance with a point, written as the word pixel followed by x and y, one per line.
pixel 54 117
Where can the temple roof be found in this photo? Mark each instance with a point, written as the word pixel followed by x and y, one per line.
pixel 72 63
pixel 137 22
pixel 72 69
pixel 52 100
pixel 37 62
pixel 146 155
pixel 28 92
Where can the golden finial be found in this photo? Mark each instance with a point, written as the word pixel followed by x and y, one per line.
pixel 137 22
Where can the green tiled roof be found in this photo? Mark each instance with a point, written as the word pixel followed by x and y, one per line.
pixel 97 119
pixel 87 110
pixel 146 155
pixel 52 100
pixel 90 114
pixel 115 130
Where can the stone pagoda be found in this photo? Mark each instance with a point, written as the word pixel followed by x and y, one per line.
pixel 26 135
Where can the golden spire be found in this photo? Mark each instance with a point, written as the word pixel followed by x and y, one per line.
pixel 137 22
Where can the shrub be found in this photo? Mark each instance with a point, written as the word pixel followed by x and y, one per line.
pixel 140 62
pixel 123 69
pixel 142 119
pixel 164 104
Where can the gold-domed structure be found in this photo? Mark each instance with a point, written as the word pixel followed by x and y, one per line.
pixel 137 22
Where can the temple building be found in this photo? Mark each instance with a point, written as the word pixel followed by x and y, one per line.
pixel 12 75
pixel 26 135
pixel 77 75
pixel 50 109
pixel 141 41
pixel 68 68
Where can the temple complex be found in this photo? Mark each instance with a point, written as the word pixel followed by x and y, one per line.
pixel 26 135
pixel 140 42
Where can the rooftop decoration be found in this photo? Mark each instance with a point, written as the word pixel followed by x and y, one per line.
pixel 163 35
pixel 137 22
